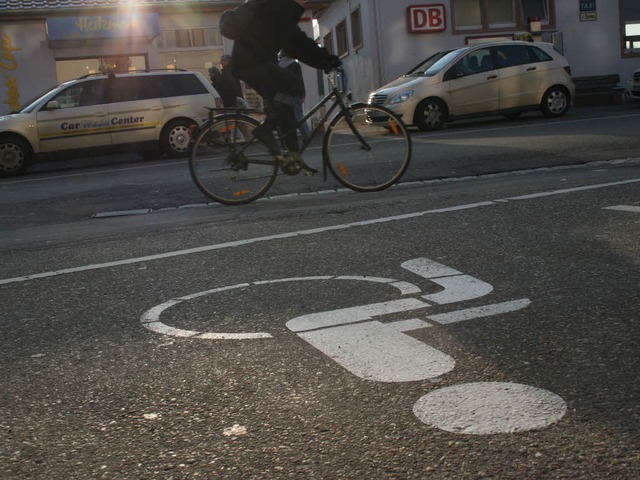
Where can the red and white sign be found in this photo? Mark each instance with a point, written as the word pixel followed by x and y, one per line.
pixel 427 18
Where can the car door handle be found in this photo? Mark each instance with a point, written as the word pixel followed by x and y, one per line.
pixel 531 69
pixel 491 77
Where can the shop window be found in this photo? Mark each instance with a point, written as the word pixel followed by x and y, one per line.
pixel 500 13
pixel 342 40
pixel 183 38
pixel 630 17
pixel 487 15
pixel 535 9
pixel 197 37
pixel 356 28
pixel 189 38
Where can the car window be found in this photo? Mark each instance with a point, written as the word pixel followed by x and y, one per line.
pixel 150 86
pixel 511 55
pixel 125 89
pixel 178 85
pixel 84 94
pixel 477 61
pixel 432 65
pixel 538 55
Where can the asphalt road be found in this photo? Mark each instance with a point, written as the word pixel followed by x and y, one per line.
pixel 482 326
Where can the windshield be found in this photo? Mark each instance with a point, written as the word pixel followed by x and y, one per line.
pixel 432 65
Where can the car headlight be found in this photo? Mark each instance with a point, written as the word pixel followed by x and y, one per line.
pixel 401 97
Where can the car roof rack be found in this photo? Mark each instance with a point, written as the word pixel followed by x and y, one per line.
pixel 146 70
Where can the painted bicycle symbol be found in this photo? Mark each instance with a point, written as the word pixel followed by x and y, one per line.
pixel 379 351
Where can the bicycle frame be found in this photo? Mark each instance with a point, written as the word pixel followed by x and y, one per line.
pixel 340 100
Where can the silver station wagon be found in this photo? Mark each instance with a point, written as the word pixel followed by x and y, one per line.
pixel 147 111
pixel 505 78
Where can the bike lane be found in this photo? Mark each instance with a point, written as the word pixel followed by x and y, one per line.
pixel 382 361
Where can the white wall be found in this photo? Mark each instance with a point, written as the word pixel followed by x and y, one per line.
pixel 389 49
pixel 592 48
pixel 27 67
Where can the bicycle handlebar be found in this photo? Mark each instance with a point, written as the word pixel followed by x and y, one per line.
pixel 334 74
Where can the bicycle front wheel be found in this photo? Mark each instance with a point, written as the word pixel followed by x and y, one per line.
pixel 227 164
pixel 367 148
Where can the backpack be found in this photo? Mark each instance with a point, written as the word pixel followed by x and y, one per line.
pixel 236 21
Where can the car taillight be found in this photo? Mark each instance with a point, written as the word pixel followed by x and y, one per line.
pixel 568 70
pixel 219 103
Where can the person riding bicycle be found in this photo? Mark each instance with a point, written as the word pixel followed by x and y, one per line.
pixel 271 27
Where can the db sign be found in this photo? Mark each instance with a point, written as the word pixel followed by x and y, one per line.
pixel 427 18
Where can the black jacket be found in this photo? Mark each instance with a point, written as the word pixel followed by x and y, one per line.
pixel 273 27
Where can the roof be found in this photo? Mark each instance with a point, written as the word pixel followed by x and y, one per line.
pixel 31 7
pixel 35 6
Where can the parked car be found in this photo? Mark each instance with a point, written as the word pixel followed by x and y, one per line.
pixel 507 78
pixel 144 110
pixel 632 92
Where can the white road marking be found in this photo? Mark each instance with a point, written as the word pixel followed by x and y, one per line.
pixel 380 352
pixel 562 191
pixel 238 243
pixel 457 286
pixel 490 408
pixel 313 321
pixel 624 208
pixel 151 318
pixel 479 312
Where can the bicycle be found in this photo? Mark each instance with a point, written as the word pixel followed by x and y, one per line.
pixel 365 147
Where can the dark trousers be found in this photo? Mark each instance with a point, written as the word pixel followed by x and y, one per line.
pixel 278 88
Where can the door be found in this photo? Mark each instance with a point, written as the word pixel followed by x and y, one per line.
pixel 474 86
pixel 79 119
pixel 520 77
pixel 135 111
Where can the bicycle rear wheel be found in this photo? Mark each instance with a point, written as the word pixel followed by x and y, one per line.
pixel 367 148
pixel 227 164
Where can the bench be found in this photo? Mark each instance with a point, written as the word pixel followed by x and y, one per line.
pixel 598 90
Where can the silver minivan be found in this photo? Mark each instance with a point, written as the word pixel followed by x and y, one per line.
pixel 505 78
pixel 152 110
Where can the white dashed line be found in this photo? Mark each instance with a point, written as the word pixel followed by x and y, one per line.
pixel 624 208
pixel 238 243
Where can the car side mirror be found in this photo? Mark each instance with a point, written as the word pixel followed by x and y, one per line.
pixel 52 105
pixel 452 73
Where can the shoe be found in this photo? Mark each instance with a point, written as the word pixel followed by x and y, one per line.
pixel 290 163
pixel 264 133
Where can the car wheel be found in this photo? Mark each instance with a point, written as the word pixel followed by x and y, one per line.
pixel 555 102
pixel 15 155
pixel 430 114
pixel 175 138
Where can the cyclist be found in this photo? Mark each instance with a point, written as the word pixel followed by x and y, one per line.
pixel 273 26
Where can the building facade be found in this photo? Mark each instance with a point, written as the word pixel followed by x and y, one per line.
pixel 46 42
pixel 379 40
